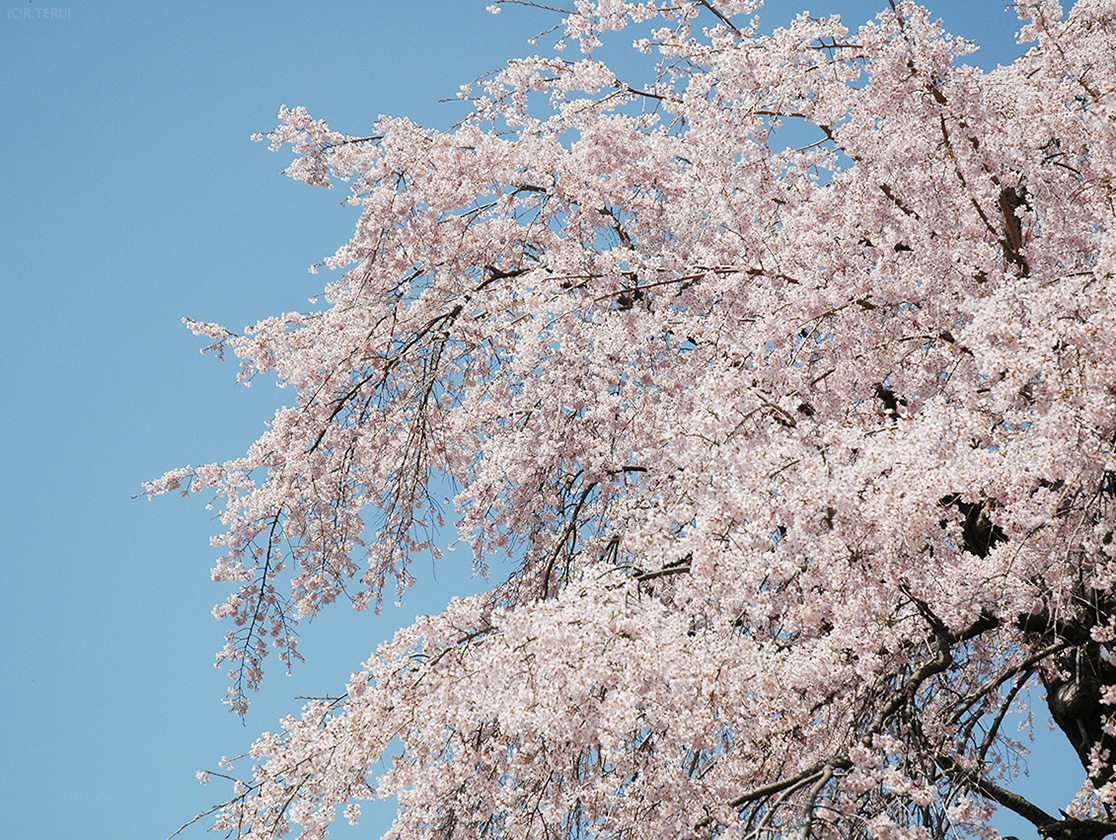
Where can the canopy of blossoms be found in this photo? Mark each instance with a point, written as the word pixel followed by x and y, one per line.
pixel 804 453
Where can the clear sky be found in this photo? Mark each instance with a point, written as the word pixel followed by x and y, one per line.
pixel 132 197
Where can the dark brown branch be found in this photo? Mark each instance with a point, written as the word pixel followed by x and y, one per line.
pixel 907 211
pixel 812 798
pixel 1067 828
pixel 720 16
pixel 839 762
pixel 568 533
pixel 1000 678
pixel 1012 801
pixel 667 570
pixel 941 662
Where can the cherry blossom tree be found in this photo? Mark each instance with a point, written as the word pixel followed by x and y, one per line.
pixel 784 368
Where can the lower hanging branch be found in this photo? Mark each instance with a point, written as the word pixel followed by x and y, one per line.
pixel 818 775
pixel 1067 828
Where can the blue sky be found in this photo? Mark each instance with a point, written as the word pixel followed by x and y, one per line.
pixel 133 197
